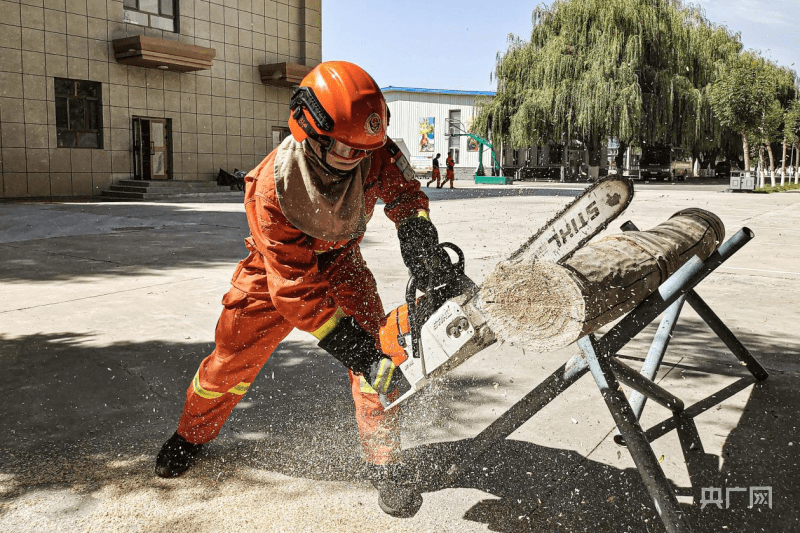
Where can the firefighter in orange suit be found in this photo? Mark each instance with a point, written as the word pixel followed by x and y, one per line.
pixel 435 175
pixel 449 175
pixel 307 206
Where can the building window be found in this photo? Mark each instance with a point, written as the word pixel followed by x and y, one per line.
pixel 159 14
pixel 454 154
pixel 278 135
pixel 455 129
pixel 79 114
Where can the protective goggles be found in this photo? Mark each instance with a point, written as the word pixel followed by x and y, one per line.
pixel 341 151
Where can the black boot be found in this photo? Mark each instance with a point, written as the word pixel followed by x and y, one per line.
pixel 176 456
pixel 397 493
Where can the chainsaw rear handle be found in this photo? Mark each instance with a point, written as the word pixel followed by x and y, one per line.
pixel 461 263
pixel 456 268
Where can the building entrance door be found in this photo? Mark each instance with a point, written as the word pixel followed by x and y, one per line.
pixel 151 148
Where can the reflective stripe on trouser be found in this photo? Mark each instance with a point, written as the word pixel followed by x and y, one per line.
pixel 247 333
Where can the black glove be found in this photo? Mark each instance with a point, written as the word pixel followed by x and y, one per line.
pixel 355 348
pixel 352 345
pixel 418 246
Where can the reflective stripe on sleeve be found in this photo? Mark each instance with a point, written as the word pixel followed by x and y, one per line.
pixel 328 326
pixel 420 214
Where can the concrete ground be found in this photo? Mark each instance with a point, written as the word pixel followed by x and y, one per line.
pixel 107 309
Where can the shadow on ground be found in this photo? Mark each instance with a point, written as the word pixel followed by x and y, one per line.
pixel 87 417
pixel 124 241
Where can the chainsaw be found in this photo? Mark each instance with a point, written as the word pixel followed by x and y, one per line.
pixel 440 326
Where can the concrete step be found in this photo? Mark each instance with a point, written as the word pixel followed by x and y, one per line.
pixel 168 184
pixel 167 190
pixel 131 190
pixel 123 196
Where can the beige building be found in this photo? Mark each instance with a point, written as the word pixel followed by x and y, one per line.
pixel 94 91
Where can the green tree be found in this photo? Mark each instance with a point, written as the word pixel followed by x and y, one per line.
pixel 788 92
pixel 634 70
pixel 791 135
pixel 768 129
pixel 772 122
pixel 742 97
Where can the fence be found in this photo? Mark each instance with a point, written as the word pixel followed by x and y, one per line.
pixel 790 174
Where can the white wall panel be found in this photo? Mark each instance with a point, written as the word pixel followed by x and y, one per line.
pixel 408 107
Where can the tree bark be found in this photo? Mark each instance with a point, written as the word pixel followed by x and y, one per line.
pixel 593 162
pixel 620 157
pixel 746 147
pixel 544 306
pixel 783 162
pixel 771 163
pixel 797 163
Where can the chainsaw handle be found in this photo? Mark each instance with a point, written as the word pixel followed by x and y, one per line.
pixel 461 263
pixel 413 286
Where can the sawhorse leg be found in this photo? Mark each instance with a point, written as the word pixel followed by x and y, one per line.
pixel 654 358
pixel 640 450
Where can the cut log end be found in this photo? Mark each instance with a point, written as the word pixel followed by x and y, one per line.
pixel 532 305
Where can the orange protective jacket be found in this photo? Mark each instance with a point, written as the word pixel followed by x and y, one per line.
pixel 282 264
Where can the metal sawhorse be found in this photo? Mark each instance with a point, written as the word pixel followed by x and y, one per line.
pixel 598 356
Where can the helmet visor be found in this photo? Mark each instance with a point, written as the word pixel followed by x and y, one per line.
pixel 343 157
pixel 342 151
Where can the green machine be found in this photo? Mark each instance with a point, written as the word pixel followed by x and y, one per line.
pixel 496 177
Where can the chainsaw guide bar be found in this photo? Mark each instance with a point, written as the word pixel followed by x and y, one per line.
pixel 583 218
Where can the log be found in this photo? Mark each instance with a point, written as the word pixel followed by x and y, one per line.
pixel 544 306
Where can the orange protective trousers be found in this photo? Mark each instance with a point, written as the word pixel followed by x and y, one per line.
pixel 448 176
pixel 250 329
pixel 435 175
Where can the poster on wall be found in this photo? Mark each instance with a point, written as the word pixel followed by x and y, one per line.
pixel 426 128
pixel 472 144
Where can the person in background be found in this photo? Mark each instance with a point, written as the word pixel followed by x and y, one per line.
pixel 450 174
pixel 435 175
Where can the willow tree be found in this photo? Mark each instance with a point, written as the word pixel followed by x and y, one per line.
pixel 712 47
pixel 634 70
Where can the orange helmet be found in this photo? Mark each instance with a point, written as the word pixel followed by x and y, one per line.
pixel 339 101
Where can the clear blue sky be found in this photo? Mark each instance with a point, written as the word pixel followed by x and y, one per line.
pixel 451 44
